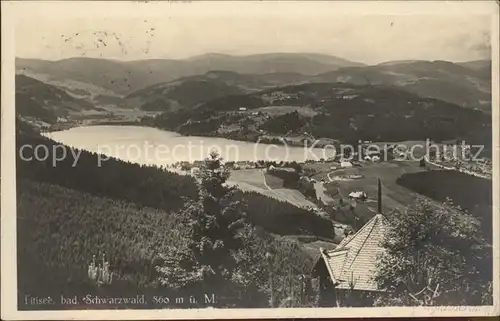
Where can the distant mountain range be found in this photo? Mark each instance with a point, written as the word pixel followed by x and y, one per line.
pixel 123 77
pixel 465 84
pixel 164 84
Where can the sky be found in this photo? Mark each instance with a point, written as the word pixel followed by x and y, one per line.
pixel 179 34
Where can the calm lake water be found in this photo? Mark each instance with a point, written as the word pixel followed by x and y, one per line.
pixel 151 146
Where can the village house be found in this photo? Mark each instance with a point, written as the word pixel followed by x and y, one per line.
pixel 358 195
pixel 348 97
pixel 346 273
pixel 345 164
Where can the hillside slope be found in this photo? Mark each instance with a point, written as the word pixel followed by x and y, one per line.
pixel 467 84
pixel 90 92
pixel 81 225
pixel 464 84
pixel 35 99
pixel 185 92
pixel 58 243
pixel 333 110
pixel 66 214
pixel 124 77
pixel 188 92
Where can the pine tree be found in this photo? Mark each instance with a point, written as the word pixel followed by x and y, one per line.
pixel 211 255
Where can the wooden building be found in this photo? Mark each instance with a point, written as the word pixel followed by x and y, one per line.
pixel 346 273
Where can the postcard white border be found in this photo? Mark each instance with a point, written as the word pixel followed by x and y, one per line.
pixel 126 9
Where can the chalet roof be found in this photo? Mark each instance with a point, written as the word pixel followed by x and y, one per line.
pixel 354 259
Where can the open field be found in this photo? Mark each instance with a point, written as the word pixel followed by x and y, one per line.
pixel 112 113
pixel 273 182
pixel 402 183
pixel 103 115
pixel 255 180
pixel 252 177
pixel 393 195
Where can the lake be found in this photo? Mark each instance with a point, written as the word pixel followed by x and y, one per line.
pixel 151 146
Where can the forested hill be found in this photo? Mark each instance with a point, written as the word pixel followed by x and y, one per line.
pixel 334 110
pixel 186 92
pixel 42 101
pixel 68 212
pixel 467 84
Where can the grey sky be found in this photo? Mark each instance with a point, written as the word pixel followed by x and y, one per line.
pixel 363 38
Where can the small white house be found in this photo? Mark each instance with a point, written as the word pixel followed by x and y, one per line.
pixel 195 170
pixel 242 109
pixel 345 164
pixel 358 195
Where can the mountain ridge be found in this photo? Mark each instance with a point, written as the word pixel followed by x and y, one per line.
pixel 123 77
pixel 101 81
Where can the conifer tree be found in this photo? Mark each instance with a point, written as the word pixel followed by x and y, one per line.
pixel 210 256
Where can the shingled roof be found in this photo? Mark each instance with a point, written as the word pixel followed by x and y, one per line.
pixel 354 259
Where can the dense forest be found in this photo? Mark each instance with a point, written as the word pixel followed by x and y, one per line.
pixel 472 194
pixel 42 101
pixel 164 97
pixel 30 108
pixel 290 122
pixel 67 214
pixel 144 185
pixel 61 229
pixel 285 219
pixel 343 112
